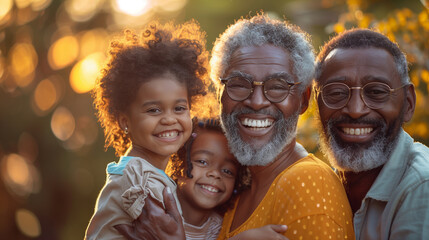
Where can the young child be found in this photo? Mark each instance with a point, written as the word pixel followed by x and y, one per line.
pixel 208 178
pixel 143 100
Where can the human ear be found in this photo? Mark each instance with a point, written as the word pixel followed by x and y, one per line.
pixel 410 103
pixel 123 121
pixel 305 98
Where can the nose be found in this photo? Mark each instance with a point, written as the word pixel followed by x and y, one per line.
pixel 257 99
pixel 213 172
pixel 356 107
pixel 168 119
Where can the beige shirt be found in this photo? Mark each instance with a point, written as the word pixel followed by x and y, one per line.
pixel 123 196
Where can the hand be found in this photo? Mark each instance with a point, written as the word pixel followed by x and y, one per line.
pixel 267 232
pixel 156 223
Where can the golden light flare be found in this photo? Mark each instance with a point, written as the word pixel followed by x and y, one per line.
pixel 82 10
pixel 85 134
pixel 131 7
pixel 62 123
pixel 5 7
pixel 45 96
pixel 171 5
pixel 38 5
pixel 2 68
pixel 23 61
pixel 93 41
pixel 85 72
pixel 28 223
pixel 20 177
pixel 63 52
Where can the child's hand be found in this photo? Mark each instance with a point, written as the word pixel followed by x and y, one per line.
pixel 155 222
pixel 266 232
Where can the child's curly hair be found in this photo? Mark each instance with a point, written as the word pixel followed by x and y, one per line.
pixel 134 59
pixel 180 164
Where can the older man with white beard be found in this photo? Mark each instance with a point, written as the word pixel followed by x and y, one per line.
pixel 364 96
pixel 266 67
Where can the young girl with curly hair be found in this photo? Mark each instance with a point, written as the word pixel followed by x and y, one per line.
pixel 207 177
pixel 143 101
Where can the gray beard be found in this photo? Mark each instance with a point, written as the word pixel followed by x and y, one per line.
pixel 357 157
pixel 248 155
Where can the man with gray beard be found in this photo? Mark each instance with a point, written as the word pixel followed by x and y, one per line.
pixel 265 68
pixel 364 96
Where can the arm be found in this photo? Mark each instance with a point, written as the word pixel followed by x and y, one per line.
pixel 266 232
pixel 155 222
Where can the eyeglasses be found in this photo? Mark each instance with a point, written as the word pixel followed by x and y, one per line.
pixel 239 88
pixel 373 94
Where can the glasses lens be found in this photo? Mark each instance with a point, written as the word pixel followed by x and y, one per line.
pixel 335 95
pixel 238 88
pixel 376 94
pixel 276 90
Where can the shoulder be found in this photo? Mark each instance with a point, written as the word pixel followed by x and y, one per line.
pixel 309 169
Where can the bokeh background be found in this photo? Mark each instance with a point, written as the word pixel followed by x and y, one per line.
pixel 52 156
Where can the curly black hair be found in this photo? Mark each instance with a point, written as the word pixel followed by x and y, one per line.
pixel 135 59
pixel 180 164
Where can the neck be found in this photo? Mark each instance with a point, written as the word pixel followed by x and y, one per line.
pixel 158 161
pixel 358 184
pixel 191 213
pixel 265 175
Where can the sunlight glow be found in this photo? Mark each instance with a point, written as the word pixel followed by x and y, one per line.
pixel 63 52
pixel 82 10
pixel 85 72
pixel 5 7
pixel 45 96
pixel 23 62
pixel 131 7
pixel 62 123
pixel 28 223
pixel 20 176
pixel 171 5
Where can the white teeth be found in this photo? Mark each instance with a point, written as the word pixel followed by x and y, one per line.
pixel 357 131
pixel 257 123
pixel 171 134
pixel 209 188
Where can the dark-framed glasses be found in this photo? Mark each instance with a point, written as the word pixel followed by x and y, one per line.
pixel 239 88
pixel 373 94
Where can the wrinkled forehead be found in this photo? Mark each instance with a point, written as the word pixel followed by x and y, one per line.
pixel 260 60
pixel 359 63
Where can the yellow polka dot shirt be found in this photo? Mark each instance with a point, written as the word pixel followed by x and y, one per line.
pixel 308 197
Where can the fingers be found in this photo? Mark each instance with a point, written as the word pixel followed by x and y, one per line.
pixel 170 205
pixel 126 230
pixel 278 228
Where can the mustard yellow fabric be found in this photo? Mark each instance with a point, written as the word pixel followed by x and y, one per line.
pixel 308 197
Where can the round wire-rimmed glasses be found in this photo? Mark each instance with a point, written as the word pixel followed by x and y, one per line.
pixel 373 94
pixel 240 88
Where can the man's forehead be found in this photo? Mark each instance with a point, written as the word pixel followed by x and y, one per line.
pixel 257 60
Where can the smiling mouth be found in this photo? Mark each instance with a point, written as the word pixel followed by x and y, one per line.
pixel 357 131
pixel 168 134
pixel 257 124
pixel 210 188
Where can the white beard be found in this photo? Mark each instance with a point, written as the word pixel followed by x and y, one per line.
pixel 246 154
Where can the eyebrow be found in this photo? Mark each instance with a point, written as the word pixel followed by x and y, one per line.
pixel 202 151
pixel 284 75
pixel 148 103
pixel 370 78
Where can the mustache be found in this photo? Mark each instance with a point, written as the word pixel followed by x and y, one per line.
pixel 276 114
pixel 362 120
